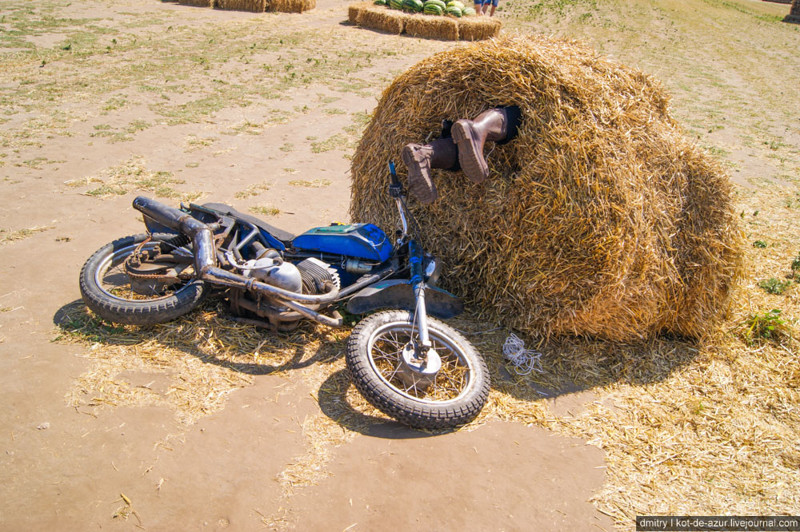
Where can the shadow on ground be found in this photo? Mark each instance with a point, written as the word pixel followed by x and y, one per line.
pixel 569 365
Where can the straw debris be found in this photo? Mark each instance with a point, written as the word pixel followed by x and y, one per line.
pixel 599 219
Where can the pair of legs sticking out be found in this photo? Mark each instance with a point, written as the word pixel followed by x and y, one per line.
pixel 459 147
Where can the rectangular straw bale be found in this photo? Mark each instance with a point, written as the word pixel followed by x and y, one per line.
pixel 354 11
pixel 197 3
pixel 255 6
pixel 478 28
pixel 432 27
pixel 290 6
pixel 383 19
pixel 794 13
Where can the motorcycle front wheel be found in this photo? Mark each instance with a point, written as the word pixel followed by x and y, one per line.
pixel 375 358
pixel 111 293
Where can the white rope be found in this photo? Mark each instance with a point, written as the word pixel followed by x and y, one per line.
pixel 524 360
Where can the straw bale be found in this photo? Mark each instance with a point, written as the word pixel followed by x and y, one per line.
pixel 354 12
pixel 380 18
pixel 794 13
pixel 599 219
pixel 197 3
pixel 256 6
pixel 384 19
pixel 290 6
pixel 432 27
pixel 478 28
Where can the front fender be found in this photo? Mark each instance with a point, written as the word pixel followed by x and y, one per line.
pixel 397 293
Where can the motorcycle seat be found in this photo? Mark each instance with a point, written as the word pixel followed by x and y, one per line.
pixel 284 236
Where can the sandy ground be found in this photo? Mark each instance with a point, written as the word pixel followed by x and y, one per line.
pixel 129 467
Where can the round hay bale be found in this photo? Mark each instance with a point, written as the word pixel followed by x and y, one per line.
pixel 598 219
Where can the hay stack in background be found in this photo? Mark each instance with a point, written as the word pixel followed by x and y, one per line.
pixel 255 6
pixel 382 19
pixel 290 6
pixel 794 13
pixel 260 6
pixel 354 12
pixel 598 219
pixel 478 28
pixel 368 15
pixel 432 27
pixel 197 3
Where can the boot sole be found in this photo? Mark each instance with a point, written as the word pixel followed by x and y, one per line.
pixel 423 188
pixel 472 163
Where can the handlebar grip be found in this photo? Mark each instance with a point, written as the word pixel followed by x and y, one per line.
pixel 393 173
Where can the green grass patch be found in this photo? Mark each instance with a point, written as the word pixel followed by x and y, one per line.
pixel 252 190
pixel 774 286
pixel 314 183
pixel 265 210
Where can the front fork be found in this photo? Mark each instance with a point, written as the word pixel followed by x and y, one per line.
pixel 418 282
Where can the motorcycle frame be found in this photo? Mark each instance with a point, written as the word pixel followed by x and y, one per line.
pixel 305 305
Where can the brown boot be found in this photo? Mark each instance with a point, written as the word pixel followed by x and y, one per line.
pixel 471 135
pixel 420 159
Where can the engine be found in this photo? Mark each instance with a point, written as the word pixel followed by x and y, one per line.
pixel 318 276
pixel 310 276
pixel 271 269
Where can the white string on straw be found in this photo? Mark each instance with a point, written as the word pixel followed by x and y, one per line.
pixel 524 360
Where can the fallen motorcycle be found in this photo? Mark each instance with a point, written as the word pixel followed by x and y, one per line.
pixel 408 364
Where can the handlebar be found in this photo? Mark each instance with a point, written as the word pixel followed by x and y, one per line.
pixel 396 191
pixel 395 187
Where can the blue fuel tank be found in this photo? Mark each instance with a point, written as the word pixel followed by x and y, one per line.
pixel 363 241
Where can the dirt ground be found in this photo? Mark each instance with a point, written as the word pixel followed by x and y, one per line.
pixel 108 99
pixel 69 467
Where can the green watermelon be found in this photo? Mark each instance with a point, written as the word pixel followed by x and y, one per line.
pixel 380 2
pixel 453 10
pixel 396 4
pixel 439 3
pixel 432 9
pixel 468 12
pixel 456 3
pixel 413 5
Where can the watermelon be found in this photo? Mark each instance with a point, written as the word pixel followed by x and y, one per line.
pixel 439 3
pixel 453 10
pixel 456 3
pixel 396 4
pixel 412 5
pixel 380 2
pixel 468 12
pixel 432 9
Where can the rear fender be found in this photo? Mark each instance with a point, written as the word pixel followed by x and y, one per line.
pixel 398 294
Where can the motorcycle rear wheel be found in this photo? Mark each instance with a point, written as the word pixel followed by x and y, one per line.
pixel 106 287
pixel 460 388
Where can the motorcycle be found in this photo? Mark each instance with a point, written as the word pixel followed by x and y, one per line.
pixel 403 360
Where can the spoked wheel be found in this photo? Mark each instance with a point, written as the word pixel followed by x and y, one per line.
pixel 141 292
pixel 441 388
